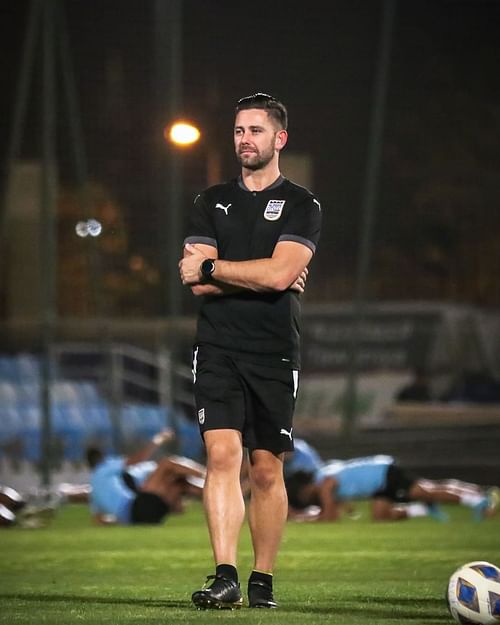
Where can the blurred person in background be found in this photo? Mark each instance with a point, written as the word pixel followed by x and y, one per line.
pixel 475 386
pixel 11 503
pixel 417 389
pixel 305 459
pixel 136 490
pixel 394 493
pixel 33 509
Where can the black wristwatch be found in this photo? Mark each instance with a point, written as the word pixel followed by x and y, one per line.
pixel 207 268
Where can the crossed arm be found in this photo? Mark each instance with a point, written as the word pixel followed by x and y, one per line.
pixel 287 268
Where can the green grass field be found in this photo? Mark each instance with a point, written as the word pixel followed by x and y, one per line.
pixel 352 572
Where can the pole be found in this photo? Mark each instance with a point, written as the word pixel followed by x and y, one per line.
pixel 175 164
pixel 79 158
pixel 168 88
pixel 370 194
pixel 21 100
pixel 47 232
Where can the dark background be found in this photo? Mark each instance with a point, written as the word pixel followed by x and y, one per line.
pixel 437 221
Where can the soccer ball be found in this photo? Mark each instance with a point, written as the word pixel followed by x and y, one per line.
pixel 473 594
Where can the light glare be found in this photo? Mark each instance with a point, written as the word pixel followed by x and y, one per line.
pixel 90 227
pixel 183 133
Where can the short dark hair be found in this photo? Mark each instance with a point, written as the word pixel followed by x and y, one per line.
pixel 275 109
pixel 294 485
pixel 94 456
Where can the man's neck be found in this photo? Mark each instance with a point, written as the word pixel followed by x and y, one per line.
pixel 260 179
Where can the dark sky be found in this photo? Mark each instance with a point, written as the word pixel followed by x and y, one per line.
pixel 321 64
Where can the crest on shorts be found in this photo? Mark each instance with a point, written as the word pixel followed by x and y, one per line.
pixel 201 416
pixel 273 210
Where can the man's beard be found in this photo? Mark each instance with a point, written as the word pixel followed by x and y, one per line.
pixel 256 160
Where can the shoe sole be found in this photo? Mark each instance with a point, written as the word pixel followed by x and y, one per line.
pixel 207 603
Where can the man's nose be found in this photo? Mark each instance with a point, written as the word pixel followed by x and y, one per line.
pixel 245 134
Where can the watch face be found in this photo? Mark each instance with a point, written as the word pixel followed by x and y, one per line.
pixel 207 267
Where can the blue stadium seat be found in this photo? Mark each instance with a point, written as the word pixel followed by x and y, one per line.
pixel 79 413
pixel 68 423
pixel 88 393
pixel 27 368
pixel 10 424
pixel 28 392
pixel 189 439
pixel 139 422
pixel 64 393
pixel 8 393
pixel 5 368
pixel 30 431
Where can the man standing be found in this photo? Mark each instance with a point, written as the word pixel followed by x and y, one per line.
pixel 249 243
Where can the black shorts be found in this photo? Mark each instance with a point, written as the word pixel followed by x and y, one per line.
pixel 129 481
pixel 255 399
pixel 148 508
pixel 397 485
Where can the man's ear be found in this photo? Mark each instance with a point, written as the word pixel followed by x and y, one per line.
pixel 281 139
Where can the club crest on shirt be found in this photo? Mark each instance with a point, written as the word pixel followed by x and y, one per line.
pixel 201 416
pixel 273 210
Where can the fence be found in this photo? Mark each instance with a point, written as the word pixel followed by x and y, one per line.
pixel 117 396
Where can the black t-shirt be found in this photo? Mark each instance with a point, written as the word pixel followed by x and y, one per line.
pixel 247 225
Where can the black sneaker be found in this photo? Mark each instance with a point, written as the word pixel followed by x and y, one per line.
pixel 260 595
pixel 223 594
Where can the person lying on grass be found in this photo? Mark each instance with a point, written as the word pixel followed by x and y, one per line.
pixel 394 493
pixel 135 490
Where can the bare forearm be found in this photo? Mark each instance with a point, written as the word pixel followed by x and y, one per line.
pixel 285 269
pixel 144 454
pixel 264 274
pixel 327 501
pixel 219 288
pixel 214 288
